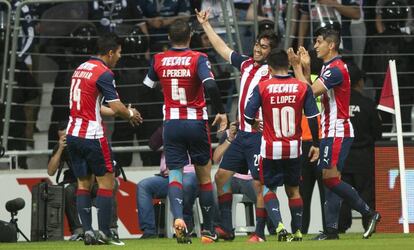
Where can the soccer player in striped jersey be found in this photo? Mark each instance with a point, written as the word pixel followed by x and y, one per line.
pixel 282 99
pixel 243 153
pixel 183 75
pixel 92 83
pixel 333 84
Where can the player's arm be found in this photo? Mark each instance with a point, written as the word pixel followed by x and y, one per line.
pixel 207 78
pixel 311 112
pixel 330 78
pixel 225 142
pixel 106 86
pixel 55 161
pixel 347 8
pixel 252 106
pixel 218 44
pixel 151 78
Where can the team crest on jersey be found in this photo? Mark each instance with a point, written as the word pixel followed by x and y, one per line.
pixel 265 72
pixel 208 64
pixel 326 74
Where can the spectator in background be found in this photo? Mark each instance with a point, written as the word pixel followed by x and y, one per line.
pixel 392 44
pixel 117 16
pixel 159 16
pixel 25 93
pixel 129 75
pixel 266 11
pixel 156 187
pixel 407 24
pixel 360 163
pixel 60 158
pixel 246 31
pixel 320 13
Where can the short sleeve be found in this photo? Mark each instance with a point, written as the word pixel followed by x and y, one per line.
pixel 204 69
pixel 151 78
pixel 331 77
pixel 106 85
pixel 236 59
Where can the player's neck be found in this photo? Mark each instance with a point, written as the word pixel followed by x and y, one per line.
pixel 330 56
pixel 180 46
pixel 104 58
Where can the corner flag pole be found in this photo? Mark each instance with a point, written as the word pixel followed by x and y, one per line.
pixel 394 82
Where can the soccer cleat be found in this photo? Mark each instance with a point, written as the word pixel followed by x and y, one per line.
pixel 296 236
pixel 223 234
pixel 375 218
pixel 254 238
pixel 90 238
pixel 208 237
pixel 183 237
pixel 281 232
pixel 76 237
pixel 109 240
pixel 326 236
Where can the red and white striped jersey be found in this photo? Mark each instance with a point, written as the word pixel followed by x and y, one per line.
pixel 181 73
pixel 282 99
pixel 335 121
pixel 251 75
pixel 92 82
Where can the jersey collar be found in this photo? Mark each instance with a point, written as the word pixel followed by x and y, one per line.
pixel 282 76
pixel 333 59
pixel 179 49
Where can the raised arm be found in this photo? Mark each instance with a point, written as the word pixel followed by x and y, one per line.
pixel 218 44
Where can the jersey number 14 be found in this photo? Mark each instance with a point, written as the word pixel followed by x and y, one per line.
pixel 75 94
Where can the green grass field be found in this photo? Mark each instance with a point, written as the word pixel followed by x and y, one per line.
pixel 347 242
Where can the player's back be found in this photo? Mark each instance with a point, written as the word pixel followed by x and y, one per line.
pixel 283 99
pixel 85 99
pixel 177 71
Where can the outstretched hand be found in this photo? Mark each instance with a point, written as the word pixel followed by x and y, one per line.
pixel 221 121
pixel 203 15
pixel 304 56
pixel 294 59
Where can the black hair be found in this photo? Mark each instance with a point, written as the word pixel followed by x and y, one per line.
pixel 62 125
pixel 179 32
pixel 271 36
pixel 107 42
pixel 331 34
pixel 278 59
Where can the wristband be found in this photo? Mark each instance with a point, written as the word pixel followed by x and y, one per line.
pixel 131 114
pixel 228 141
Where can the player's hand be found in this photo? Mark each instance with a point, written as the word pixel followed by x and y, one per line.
pixel 62 141
pixel 135 119
pixel 233 130
pixel 221 120
pixel 202 16
pixel 304 56
pixel 258 125
pixel 294 59
pixel 313 154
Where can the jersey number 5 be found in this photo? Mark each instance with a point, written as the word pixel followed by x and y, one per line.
pixel 178 94
pixel 75 94
pixel 284 121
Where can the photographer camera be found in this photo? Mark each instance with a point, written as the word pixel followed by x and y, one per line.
pixel 59 157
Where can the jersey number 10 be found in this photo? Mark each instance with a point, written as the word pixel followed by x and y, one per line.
pixel 284 121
